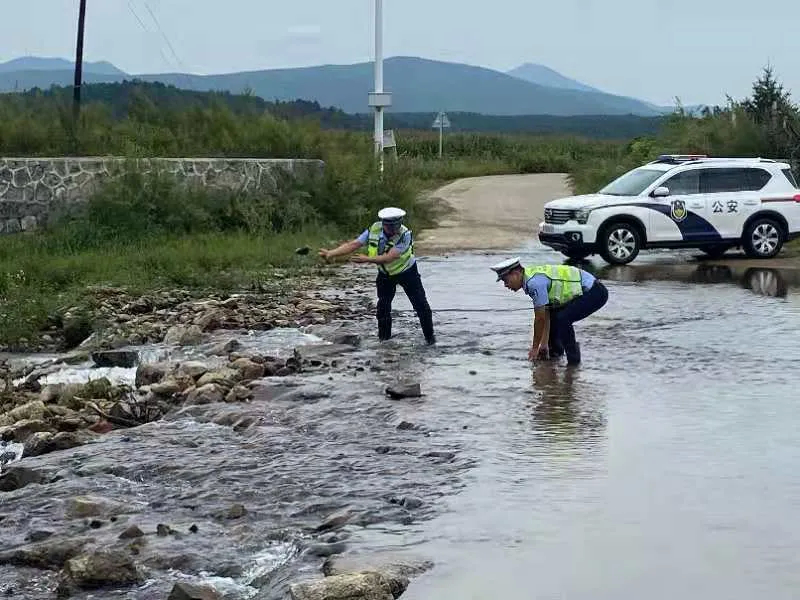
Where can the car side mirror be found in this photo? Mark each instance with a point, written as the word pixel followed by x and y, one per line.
pixel 661 192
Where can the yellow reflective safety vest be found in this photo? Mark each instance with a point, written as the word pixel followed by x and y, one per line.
pixel 402 262
pixel 565 281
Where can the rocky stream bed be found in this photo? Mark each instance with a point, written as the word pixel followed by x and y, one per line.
pixel 210 447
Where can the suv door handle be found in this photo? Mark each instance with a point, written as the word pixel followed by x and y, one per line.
pixel 697 204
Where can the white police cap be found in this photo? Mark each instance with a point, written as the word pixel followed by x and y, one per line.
pixel 391 213
pixel 503 268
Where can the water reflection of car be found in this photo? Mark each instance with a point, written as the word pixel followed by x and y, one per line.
pixel 680 201
pixel 761 281
pixel 765 282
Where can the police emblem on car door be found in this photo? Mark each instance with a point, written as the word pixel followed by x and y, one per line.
pixel 678 211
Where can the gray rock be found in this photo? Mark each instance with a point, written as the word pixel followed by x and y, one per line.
pixel 389 564
pixel 189 591
pixel 101 569
pixel 352 586
pixel 248 369
pixel 166 388
pixel 82 507
pixel 411 390
pixel 125 359
pixel 45 442
pixel 192 368
pixel 16 478
pixel 184 335
pixel 34 411
pixel 51 554
pixel 211 393
pixel 150 373
pixel 131 532
pixel 21 430
pixel 223 376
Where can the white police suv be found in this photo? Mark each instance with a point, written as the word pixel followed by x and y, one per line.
pixel 680 201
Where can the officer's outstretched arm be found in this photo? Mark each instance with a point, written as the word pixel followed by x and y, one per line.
pixel 346 248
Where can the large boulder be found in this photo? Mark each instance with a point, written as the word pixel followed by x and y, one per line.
pixel 16 477
pixel 51 554
pixel 150 373
pixel 210 393
pixel 189 591
pixel 31 411
pixel 388 564
pixel 184 335
pixel 45 442
pixel 100 569
pixel 351 586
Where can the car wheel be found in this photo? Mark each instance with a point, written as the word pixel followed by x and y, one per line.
pixel 619 243
pixel 763 238
pixel 715 251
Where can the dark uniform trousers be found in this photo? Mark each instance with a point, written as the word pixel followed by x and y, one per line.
pixel 562 334
pixel 411 282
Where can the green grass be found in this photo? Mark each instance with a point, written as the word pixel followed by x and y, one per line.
pixel 38 281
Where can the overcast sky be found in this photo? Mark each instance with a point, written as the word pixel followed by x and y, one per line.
pixel 651 49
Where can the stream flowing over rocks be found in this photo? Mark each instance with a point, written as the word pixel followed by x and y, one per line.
pixel 213 447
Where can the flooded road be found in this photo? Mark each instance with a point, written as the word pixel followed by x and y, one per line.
pixel 663 467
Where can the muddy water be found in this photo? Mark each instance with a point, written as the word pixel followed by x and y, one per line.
pixel 663 467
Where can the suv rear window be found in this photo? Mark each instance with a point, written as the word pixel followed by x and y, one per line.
pixel 790 176
pixel 737 179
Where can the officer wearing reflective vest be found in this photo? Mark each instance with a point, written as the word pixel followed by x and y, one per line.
pixel 562 295
pixel 390 246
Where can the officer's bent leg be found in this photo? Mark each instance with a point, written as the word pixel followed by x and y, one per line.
pixel 576 310
pixel 412 286
pixel 386 287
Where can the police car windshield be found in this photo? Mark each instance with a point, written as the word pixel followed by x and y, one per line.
pixel 632 183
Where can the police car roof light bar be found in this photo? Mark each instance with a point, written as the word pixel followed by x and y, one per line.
pixel 680 157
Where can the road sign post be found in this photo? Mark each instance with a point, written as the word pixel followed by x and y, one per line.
pixel 441 122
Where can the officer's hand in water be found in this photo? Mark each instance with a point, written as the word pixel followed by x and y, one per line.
pixel 361 258
pixel 324 253
pixel 539 353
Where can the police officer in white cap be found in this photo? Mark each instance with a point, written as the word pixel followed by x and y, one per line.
pixel 562 295
pixel 390 247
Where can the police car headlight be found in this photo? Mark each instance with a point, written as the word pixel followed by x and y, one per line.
pixel 582 215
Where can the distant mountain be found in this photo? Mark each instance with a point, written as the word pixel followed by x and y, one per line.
pixel 35 63
pixel 157 103
pixel 417 85
pixel 542 75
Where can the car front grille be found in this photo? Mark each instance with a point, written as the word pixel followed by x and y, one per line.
pixel 557 216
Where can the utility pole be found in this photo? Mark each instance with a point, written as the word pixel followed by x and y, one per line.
pixel 378 99
pixel 76 91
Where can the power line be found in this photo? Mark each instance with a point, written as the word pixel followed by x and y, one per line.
pixel 164 35
pixel 167 61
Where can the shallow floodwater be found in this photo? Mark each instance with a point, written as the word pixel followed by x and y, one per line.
pixel 665 466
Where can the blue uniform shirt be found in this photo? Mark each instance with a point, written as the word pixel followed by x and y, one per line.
pixel 402 244
pixel 536 287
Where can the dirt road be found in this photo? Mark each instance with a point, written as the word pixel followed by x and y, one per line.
pixel 490 213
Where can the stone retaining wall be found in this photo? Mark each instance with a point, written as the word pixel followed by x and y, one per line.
pixel 35 191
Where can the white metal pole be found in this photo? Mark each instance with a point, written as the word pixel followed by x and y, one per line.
pixel 379 79
pixel 441 128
